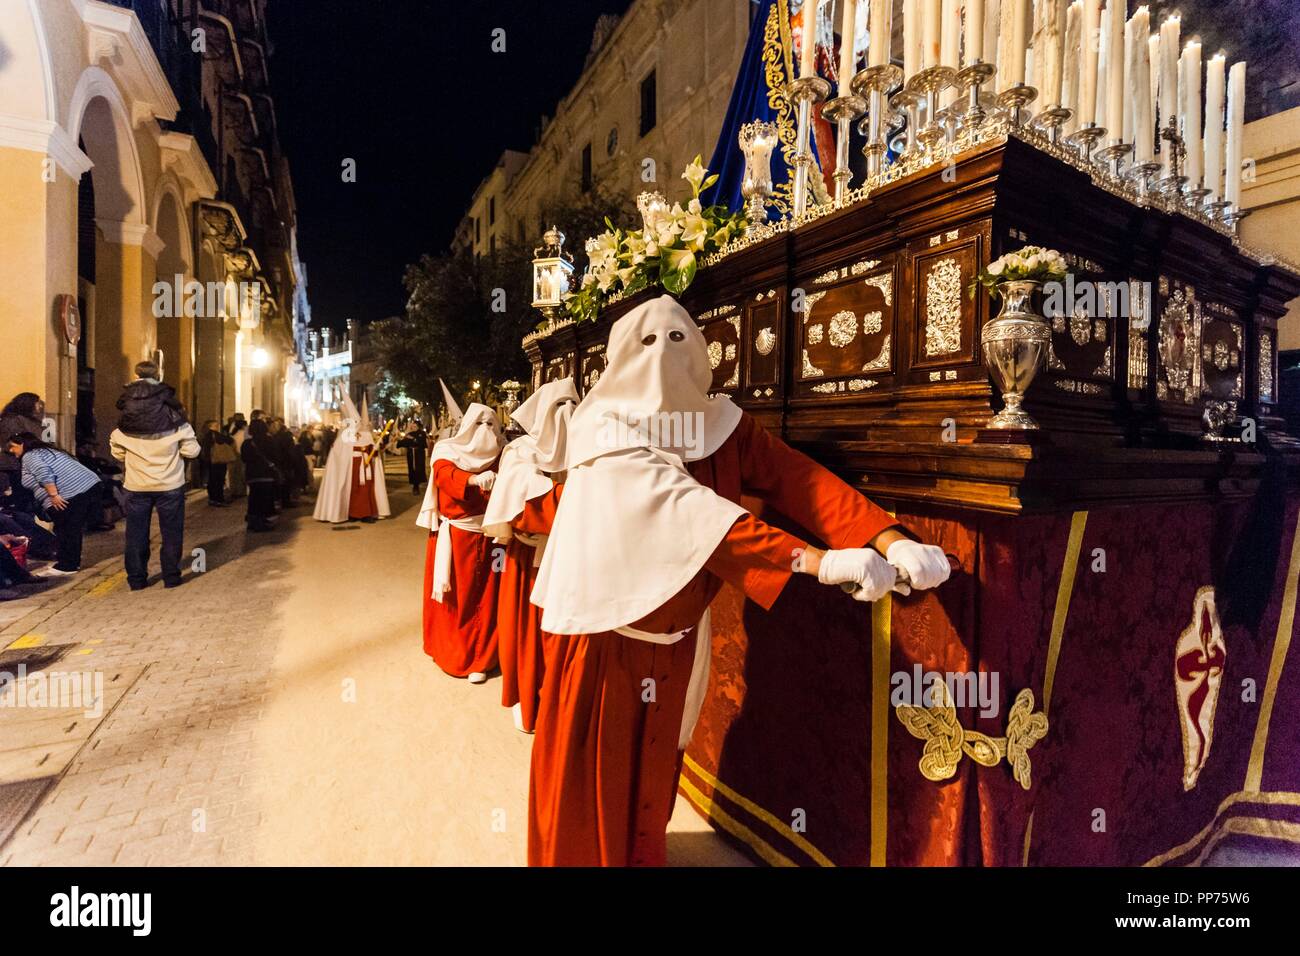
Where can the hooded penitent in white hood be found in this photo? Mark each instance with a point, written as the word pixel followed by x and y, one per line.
pixel 335 493
pixel 654 390
pixel 474 447
pixel 633 527
pixel 528 462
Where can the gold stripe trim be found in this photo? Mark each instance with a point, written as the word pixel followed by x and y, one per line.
pixel 1274 798
pixel 1281 644
pixel 1250 826
pixel 881 639
pixel 1064 592
pixel 712 811
pixel 773 821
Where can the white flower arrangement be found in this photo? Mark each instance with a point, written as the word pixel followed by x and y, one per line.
pixel 1029 263
pixel 665 251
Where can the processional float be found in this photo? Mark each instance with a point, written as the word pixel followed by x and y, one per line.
pixel 1104 455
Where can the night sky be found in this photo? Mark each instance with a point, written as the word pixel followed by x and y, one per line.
pixel 412 91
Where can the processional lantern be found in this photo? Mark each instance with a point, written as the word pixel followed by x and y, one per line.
pixel 552 273
pixel 757 140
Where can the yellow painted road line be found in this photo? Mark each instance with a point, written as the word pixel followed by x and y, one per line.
pixel 27 640
pixel 107 585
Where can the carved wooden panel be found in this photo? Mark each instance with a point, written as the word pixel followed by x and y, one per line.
pixel 944 328
pixel 721 328
pixel 1084 311
pixel 1267 365
pixel 1178 343
pixel 561 366
pixel 1223 352
pixel 593 366
pixel 848 328
pixel 763 346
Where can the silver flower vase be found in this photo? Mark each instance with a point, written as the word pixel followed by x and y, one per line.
pixel 1015 348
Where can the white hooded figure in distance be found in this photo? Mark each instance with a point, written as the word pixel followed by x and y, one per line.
pixel 460 586
pixel 353 486
pixel 519 512
pixel 648 528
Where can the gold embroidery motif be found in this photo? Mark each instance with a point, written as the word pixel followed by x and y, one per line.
pixel 946 740
pixel 778 68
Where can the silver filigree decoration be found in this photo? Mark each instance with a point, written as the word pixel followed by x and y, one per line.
pixel 872 323
pixel 810 370
pixel 883 360
pixel 943 308
pixel 765 341
pixel 814 334
pixel 715 354
pixel 885 283
pixel 1265 367
pixel 843 328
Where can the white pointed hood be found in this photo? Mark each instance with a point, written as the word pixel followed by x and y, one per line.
pixel 474 447
pixel 654 390
pixel 633 526
pixel 528 462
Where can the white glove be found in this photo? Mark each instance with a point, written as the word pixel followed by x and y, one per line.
pixel 926 564
pixel 484 480
pixel 864 567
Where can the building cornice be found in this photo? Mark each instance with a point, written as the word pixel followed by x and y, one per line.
pixel 181 153
pixel 126 233
pixel 114 34
pixel 44 136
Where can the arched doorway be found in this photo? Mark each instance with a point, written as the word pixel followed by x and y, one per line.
pixel 115 276
pixel 174 269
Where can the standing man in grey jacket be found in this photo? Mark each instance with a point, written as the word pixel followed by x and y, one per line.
pixel 155 478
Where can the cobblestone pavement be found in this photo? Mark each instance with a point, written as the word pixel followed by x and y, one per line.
pixel 275 709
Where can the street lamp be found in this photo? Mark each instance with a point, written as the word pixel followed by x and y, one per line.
pixel 261 358
pixel 552 273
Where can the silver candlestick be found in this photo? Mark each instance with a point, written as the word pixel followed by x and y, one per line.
pixel 929 83
pixel 1233 215
pixel 1051 119
pixel 1113 153
pixel 908 103
pixel 806 90
pixel 1139 174
pixel 1014 101
pixel 1085 139
pixel 844 110
pixel 872 84
pixel 969 81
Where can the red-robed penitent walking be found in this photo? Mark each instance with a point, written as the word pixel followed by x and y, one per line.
pixel 460 586
pixel 361 503
pixel 519 515
pixel 648 528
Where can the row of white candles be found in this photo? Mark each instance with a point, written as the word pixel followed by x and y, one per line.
pixel 1088 52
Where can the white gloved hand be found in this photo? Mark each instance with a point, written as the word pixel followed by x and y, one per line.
pixel 484 480
pixel 926 564
pixel 861 566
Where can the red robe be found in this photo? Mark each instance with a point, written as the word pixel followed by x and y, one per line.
pixel 460 631
pixel 519 621
pixel 605 763
pixel 361 504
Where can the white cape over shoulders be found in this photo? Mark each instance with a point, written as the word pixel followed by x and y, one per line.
pixel 336 485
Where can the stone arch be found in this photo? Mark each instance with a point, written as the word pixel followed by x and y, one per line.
pixel 175 329
pixel 99 118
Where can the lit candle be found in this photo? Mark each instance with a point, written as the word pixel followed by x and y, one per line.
pixel 974 31
pixel 808 40
pixel 1049 49
pixel 1169 50
pixel 1139 79
pixel 1072 63
pixel 1236 121
pixel 882 12
pixel 1190 86
pixel 1214 126
pixel 931 19
pixel 848 59
pixel 1115 59
pixel 911 38
pixel 1091 22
